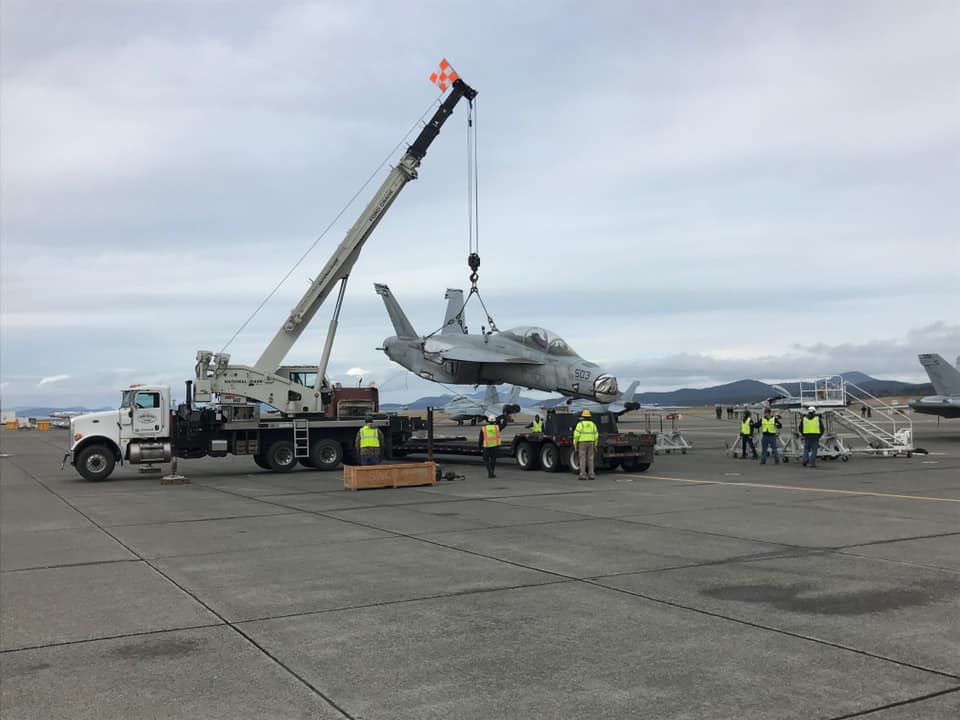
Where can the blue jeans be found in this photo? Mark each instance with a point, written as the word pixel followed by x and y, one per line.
pixel 769 442
pixel 810 445
pixel 369 459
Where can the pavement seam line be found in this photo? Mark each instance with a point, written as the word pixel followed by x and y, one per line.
pixel 142 633
pixel 900 703
pixel 768 628
pixel 71 565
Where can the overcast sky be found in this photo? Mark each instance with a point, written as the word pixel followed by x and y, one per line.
pixel 689 192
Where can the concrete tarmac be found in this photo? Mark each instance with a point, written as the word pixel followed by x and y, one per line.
pixel 707 587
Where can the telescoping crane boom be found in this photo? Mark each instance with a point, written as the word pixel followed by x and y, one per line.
pixel 306 390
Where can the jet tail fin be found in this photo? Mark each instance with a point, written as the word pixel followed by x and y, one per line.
pixel 401 325
pixel 491 399
pixel 513 396
pixel 627 394
pixel 945 378
pixel 453 318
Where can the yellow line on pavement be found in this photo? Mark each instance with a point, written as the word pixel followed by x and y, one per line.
pixel 795 487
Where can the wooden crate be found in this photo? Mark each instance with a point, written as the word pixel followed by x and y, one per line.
pixel 359 477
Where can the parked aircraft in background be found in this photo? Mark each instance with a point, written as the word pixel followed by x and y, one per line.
pixel 529 357
pixel 463 407
pixel 946 383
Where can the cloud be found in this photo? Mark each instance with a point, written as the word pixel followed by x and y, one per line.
pixel 53 379
pixel 896 358
pixel 357 372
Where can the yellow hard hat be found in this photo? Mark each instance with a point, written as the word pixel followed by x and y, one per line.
pixel 585 413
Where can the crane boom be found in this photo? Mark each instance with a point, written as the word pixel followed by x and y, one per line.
pixel 291 389
pixel 338 267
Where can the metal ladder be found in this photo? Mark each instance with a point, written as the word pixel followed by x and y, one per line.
pixel 301 438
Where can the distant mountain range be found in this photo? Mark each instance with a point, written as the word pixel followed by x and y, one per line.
pixel 727 394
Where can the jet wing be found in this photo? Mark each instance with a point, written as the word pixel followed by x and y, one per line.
pixel 475 354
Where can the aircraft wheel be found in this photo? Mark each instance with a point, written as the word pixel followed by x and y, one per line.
pixel 261 462
pixel 95 463
pixel 326 454
pixel 550 457
pixel 280 456
pixel 526 456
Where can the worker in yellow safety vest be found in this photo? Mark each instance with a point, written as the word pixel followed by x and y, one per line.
pixel 490 441
pixel 585 437
pixel 746 436
pixel 369 443
pixel 811 427
pixel 537 424
pixel 769 427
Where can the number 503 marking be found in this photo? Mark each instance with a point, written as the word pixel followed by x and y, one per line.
pixel 581 374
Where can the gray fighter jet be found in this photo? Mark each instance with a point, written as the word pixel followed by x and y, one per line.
pixel 946 381
pixel 464 407
pixel 530 357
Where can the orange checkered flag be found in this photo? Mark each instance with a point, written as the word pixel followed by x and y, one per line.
pixel 445 77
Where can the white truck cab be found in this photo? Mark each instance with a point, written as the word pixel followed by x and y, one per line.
pixel 139 431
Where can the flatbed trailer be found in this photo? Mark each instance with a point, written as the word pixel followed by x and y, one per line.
pixel 552 449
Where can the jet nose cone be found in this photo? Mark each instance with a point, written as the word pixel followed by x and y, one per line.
pixel 605 388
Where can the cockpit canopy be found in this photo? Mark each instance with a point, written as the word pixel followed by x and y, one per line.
pixel 537 338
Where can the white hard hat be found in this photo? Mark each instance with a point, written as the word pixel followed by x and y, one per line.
pixel 811 409
pixel 492 418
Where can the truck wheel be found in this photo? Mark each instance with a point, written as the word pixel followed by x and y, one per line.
pixel 629 464
pixel 326 454
pixel 261 462
pixel 573 461
pixel 550 457
pixel 526 456
pixel 95 463
pixel 642 467
pixel 280 456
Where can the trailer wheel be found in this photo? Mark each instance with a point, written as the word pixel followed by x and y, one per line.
pixel 573 460
pixel 96 463
pixel 280 456
pixel 642 467
pixel 326 454
pixel 550 457
pixel 526 456
pixel 261 462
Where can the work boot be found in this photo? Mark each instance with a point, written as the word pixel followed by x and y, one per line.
pixel 804 463
pixel 582 477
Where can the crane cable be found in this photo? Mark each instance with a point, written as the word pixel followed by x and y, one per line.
pixel 417 124
pixel 473 226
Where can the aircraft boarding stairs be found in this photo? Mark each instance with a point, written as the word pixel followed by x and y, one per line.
pixel 886 432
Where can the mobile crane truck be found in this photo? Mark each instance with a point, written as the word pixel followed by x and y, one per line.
pixel 316 421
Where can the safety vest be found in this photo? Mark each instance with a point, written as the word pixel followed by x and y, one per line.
pixel 746 427
pixel 811 426
pixel 491 435
pixel 537 426
pixel 369 437
pixel 585 431
pixel 768 425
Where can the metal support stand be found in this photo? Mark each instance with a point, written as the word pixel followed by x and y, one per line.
pixel 172 478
